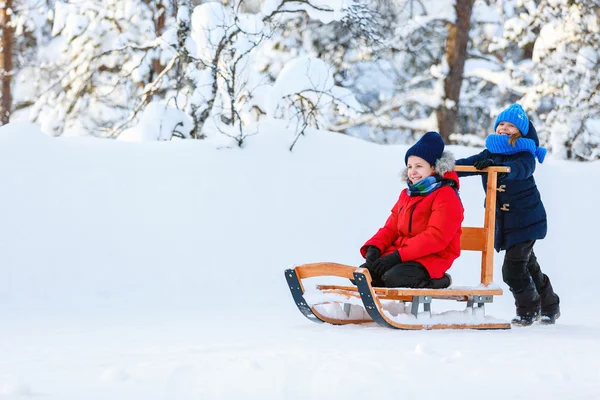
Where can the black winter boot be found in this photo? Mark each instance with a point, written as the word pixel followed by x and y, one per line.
pixel 549 300
pixel 550 303
pixel 550 313
pixel 441 283
pixel 550 319
pixel 528 305
pixel 526 319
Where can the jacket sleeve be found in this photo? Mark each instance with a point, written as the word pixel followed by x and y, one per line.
pixel 386 235
pixel 447 214
pixel 520 168
pixel 471 160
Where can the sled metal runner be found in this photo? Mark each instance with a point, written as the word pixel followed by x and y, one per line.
pixel 370 298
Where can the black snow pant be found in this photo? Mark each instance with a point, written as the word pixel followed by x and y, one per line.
pixel 410 274
pixel 530 287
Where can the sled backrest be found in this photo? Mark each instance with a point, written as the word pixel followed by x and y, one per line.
pixel 482 239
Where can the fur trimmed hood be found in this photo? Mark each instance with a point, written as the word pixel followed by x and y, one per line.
pixel 442 166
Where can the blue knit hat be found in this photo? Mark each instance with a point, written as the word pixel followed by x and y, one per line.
pixel 430 148
pixel 516 116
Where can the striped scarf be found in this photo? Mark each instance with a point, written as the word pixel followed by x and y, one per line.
pixel 425 186
pixel 498 144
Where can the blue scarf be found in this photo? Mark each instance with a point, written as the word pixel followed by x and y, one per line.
pixel 498 144
pixel 425 186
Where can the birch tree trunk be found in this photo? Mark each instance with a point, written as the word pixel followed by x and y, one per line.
pixel 6 44
pixel 456 55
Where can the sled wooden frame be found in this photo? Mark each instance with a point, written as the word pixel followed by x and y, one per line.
pixel 472 239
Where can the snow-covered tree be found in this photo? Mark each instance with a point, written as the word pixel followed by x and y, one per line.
pixel 385 71
pixel 341 44
pixel 231 48
pixel 32 20
pixel 25 27
pixel 393 71
pixel 565 94
pixel 496 71
pixel 455 58
pixel 119 57
pixel 410 80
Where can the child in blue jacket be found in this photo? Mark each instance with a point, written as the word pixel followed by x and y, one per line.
pixel 520 214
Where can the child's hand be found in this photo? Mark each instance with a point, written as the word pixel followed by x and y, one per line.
pixel 373 254
pixel 482 164
pixel 383 264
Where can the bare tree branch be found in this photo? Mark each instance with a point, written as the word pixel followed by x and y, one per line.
pixel 145 97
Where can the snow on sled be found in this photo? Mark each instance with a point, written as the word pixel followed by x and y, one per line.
pixel 400 307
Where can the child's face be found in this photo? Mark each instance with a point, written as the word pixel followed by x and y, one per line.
pixel 506 128
pixel 418 169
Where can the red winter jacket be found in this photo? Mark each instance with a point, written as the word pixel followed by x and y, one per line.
pixel 425 229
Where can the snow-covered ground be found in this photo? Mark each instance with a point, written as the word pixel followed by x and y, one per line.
pixel 155 271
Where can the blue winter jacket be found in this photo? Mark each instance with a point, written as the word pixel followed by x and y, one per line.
pixel 526 217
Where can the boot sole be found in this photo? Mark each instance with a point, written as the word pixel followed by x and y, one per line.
pixel 523 323
pixel 549 321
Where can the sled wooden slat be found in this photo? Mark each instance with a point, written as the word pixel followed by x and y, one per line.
pixel 473 239
pixel 409 292
pixel 346 293
pixel 444 292
pixel 324 269
pixel 350 292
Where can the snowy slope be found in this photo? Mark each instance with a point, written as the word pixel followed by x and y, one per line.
pixel 155 271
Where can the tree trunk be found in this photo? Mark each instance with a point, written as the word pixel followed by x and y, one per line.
pixel 159 27
pixel 6 43
pixel 456 54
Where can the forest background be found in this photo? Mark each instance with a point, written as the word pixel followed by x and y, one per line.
pixel 384 71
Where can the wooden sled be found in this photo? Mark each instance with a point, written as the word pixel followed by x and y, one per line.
pixel 370 300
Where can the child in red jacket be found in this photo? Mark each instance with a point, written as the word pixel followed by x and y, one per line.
pixel 421 238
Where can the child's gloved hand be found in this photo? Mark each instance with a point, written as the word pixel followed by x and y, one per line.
pixel 482 164
pixel 383 264
pixel 369 267
pixel 373 254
